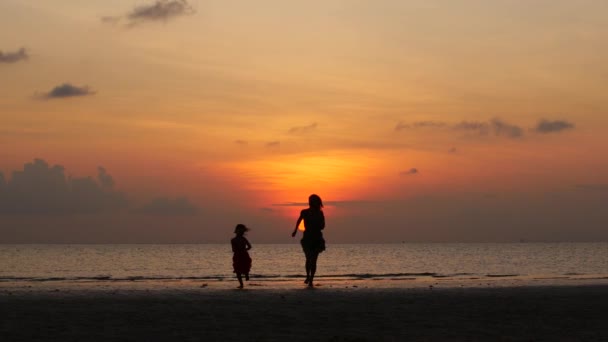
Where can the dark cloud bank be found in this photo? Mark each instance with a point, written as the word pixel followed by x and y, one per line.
pixel 169 206
pixel 565 215
pixel 159 11
pixel 39 204
pixel 13 57
pixel 43 189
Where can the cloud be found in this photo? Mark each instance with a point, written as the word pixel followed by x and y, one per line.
pixel 420 124
pixel 241 142
pixel 546 126
pixel 303 129
pixel 502 128
pixel 496 126
pixel 43 189
pixel 273 144
pixel 13 57
pixel 68 90
pixel 291 204
pixel 159 11
pixel 342 204
pixel 111 19
pixel 410 172
pixel 452 150
pixel 480 127
pixel 168 206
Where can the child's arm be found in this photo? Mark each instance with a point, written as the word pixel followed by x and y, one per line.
pixel 295 230
pixel 233 245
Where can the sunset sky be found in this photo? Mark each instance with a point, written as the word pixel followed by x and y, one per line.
pixel 414 120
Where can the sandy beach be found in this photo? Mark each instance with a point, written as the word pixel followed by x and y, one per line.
pixel 527 313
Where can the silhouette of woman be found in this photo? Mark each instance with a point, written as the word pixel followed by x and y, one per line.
pixel 312 239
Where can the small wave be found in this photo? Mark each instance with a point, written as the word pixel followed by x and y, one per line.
pixel 271 276
pixel 261 277
pixel 550 278
pixel 378 275
pixel 274 277
pixel 589 278
pixel 6 279
pixel 108 278
pixel 9 278
pixel 101 277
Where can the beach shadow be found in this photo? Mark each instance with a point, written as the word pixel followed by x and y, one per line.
pixel 309 288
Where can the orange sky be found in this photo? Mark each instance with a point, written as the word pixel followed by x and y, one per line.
pixel 396 112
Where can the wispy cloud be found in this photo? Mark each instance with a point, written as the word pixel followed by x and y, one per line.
pixel 303 129
pixel 420 124
pixel 67 90
pixel 159 11
pixel 327 203
pixel 291 204
pixel 13 57
pixel 108 19
pixel 496 127
pixel 547 126
pixel 410 172
pixel 241 142
pixel 273 144
pixel 502 128
pixel 477 126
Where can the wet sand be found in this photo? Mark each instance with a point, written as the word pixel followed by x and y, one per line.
pixel 528 313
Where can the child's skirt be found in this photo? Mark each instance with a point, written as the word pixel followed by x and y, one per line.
pixel 241 262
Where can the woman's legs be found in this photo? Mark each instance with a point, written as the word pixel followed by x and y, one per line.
pixel 240 278
pixel 308 267
pixel 311 266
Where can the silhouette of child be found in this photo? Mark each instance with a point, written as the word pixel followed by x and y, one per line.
pixel 241 261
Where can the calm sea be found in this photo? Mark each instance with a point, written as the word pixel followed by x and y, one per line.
pixel 284 263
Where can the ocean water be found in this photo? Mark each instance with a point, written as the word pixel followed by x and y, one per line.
pixel 390 263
